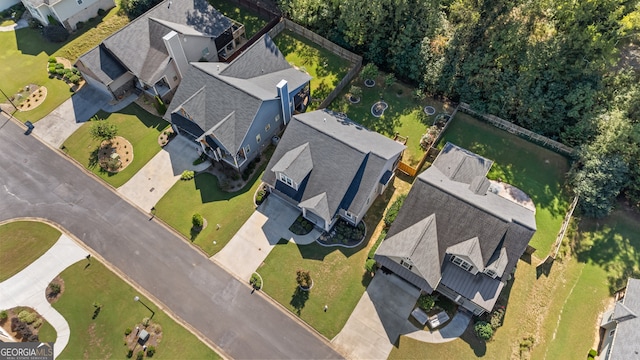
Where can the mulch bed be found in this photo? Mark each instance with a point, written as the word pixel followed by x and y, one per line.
pixel 118 145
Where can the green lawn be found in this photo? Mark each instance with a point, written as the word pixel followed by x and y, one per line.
pixel 535 170
pixel 104 337
pixel 326 68
pixel 251 21
pixel 134 124
pixel 24 54
pixel 23 242
pixel 203 195
pixel 338 274
pixel 47 333
pixel 404 116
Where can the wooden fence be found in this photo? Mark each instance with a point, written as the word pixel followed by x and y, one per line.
pixel 519 131
pixel 262 9
pixel 564 227
pixel 355 60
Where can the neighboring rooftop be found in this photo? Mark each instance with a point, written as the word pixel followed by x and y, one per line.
pixel 626 343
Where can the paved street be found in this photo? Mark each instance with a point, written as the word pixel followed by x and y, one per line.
pixel 37 182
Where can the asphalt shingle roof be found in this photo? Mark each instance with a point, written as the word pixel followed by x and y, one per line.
pixel 346 158
pixel 626 343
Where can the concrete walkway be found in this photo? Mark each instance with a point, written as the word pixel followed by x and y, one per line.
pixel 259 235
pixel 453 330
pixel 64 120
pixel 28 287
pixel 157 177
pixel 22 23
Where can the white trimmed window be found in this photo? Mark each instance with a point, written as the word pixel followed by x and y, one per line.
pixel 406 263
pixel 348 215
pixel 277 117
pixel 267 128
pixel 247 149
pixel 491 273
pixel 460 262
pixel 612 332
pixel 287 180
pixel 258 138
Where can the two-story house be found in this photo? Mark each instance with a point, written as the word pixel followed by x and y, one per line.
pixel 67 12
pixel 458 233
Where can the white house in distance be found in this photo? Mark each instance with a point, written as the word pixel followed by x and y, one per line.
pixel 67 12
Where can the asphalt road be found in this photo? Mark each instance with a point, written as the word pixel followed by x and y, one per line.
pixel 35 181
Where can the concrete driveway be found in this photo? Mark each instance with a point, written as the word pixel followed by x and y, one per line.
pixel 380 317
pixel 259 235
pixel 157 177
pixel 29 286
pixel 56 127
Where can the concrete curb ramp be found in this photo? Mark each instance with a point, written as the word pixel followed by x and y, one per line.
pixel 28 287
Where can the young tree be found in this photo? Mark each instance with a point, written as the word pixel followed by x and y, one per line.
pixel 303 278
pixel 103 130
pixel 389 80
pixel 355 91
pixel 369 71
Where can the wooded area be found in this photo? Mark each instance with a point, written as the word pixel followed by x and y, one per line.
pixel 560 68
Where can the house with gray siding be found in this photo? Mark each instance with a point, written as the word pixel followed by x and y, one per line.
pixel 234 110
pixel 330 167
pixel 458 233
pixel 153 52
pixel 67 12
pixel 621 338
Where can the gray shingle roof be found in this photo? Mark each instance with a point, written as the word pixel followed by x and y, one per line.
pixel 461 165
pixel 626 341
pixel 470 249
pixel 102 65
pixel 139 45
pixel 252 62
pixel 229 105
pixel 296 163
pixel 460 215
pixel 346 158
pixel 481 289
pixel 318 204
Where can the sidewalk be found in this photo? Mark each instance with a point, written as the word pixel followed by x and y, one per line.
pixel 22 23
pixel 28 287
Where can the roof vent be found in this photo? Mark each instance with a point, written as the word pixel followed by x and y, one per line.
pixel 325 119
pixel 218 67
pixel 169 4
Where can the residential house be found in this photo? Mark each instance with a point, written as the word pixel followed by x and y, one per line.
pixel 621 323
pixel 67 12
pixel 234 110
pixel 330 167
pixel 153 52
pixel 458 233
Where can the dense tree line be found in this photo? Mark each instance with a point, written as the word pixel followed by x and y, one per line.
pixel 551 66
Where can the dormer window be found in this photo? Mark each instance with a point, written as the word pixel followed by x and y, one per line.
pixel 461 263
pixel 491 273
pixel 406 263
pixel 287 180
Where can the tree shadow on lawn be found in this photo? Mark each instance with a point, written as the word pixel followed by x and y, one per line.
pixel 150 121
pixel 299 299
pixel 210 190
pixel 609 249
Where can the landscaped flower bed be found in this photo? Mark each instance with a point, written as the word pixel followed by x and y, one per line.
pixel 301 226
pixel 344 234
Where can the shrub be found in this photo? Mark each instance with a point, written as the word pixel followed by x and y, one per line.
pixel 197 220
pixel 370 265
pixel 187 175
pixel 27 316
pixel 146 321
pixel 79 25
pixel 160 106
pixel 140 355
pixel 151 350
pixel 373 249
pixel 3 315
pixel 34 24
pixel 130 354
pixel 68 73
pixel 60 72
pixel 127 331
pixel 101 12
pixel 369 71
pixel 52 20
pixel 59 66
pixel 303 278
pixel 389 79
pixel 496 317
pixel 74 79
pixel 255 281
pixel 52 60
pixel 355 91
pixel 55 33
pixel 36 324
pixel 592 354
pixel 135 8
pixel 484 330
pixel 426 302
pixel 260 196
pixel 392 213
pixel 52 69
pixel 54 289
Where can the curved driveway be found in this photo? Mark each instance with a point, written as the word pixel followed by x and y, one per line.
pixel 37 182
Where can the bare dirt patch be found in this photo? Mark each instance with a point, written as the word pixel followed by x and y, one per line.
pixel 33 96
pixel 115 155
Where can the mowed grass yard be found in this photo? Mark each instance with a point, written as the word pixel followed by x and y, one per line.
pixel 24 54
pixel 339 277
pixel 203 195
pixel 404 116
pixel 134 124
pixel 251 21
pixel 103 337
pixel 23 242
pixel 533 169
pixel 326 68
pixel 559 310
